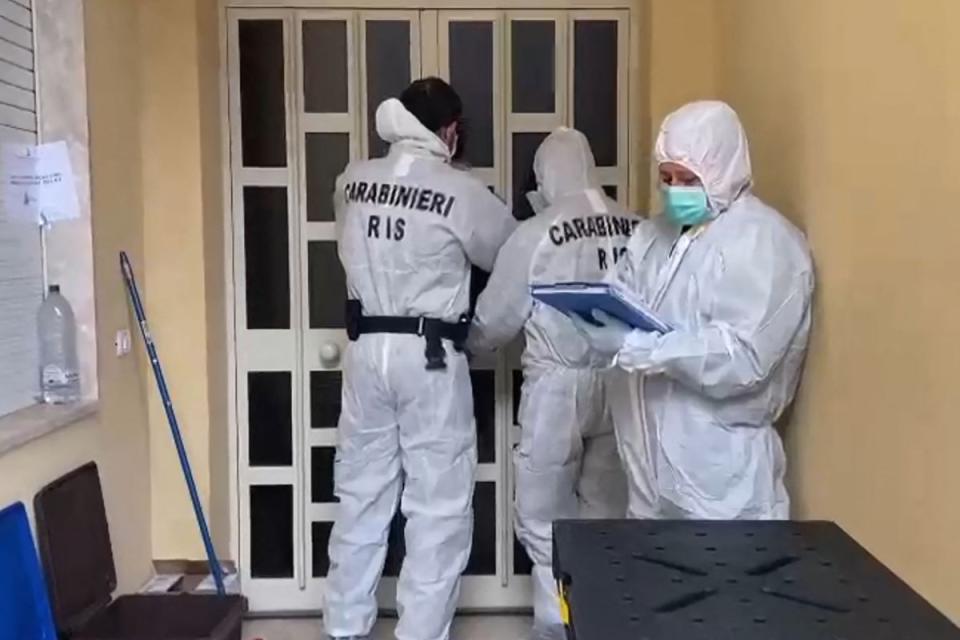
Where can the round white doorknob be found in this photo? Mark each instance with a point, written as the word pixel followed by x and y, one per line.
pixel 330 352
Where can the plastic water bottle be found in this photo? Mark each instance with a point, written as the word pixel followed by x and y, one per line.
pixel 57 329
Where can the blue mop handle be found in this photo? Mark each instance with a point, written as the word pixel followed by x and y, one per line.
pixel 215 569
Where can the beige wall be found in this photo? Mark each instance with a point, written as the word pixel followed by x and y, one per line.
pixel 211 146
pixel 853 110
pixel 116 438
pixel 682 41
pixel 184 262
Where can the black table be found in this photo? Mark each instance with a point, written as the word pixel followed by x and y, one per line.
pixel 669 580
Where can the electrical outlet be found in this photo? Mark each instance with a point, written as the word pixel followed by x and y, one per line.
pixel 122 342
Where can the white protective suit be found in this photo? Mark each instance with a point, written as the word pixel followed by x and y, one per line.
pixel 410 225
pixel 566 464
pixel 695 408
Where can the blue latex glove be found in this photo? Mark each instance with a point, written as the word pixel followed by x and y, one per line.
pixel 607 336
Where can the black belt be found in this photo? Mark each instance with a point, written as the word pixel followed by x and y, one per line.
pixel 432 329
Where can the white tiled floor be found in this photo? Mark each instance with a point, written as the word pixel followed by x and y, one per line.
pixel 464 628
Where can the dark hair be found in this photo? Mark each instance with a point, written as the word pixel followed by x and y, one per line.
pixel 522 209
pixel 463 131
pixel 433 102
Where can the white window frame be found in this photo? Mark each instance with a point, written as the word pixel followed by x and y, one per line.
pixel 67 247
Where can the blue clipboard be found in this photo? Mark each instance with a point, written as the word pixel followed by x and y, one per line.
pixel 582 298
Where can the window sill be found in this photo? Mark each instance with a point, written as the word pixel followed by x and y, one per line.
pixel 27 425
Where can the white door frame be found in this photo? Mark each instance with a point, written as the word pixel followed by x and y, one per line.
pixel 631 94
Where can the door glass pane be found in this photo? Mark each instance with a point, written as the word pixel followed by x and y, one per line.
pixel 327 285
pixel 471 74
pixel 326 154
pixel 522 564
pixel 483 554
pixel 388 71
pixel 321 474
pixel 262 94
pixel 595 86
pixel 484 410
pixel 522 209
pixel 270 418
pixel 524 148
pixel 478 282
pixel 271 531
pixel 266 248
pixel 517 394
pixel 321 540
pixel 325 66
pixel 532 63
pixel 325 399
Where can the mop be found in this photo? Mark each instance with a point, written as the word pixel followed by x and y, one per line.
pixel 215 569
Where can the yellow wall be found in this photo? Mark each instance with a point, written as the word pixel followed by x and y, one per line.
pixel 853 110
pixel 183 250
pixel 681 44
pixel 211 147
pixel 117 436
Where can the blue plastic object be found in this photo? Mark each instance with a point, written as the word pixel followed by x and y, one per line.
pixel 583 298
pixel 24 608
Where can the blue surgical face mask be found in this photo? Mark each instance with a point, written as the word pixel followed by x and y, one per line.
pixel 685 206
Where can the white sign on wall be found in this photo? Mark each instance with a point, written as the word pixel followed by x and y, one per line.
pixel 38 183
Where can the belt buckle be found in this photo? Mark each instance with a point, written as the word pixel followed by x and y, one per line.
pixel 421 324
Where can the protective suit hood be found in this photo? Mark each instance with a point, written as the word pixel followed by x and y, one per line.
pixel 397 126
pixel 564 165
pixel 708 139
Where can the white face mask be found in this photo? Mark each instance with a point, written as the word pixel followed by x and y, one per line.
pixel 538 202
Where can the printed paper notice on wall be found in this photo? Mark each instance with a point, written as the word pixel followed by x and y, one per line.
pixel 38 183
